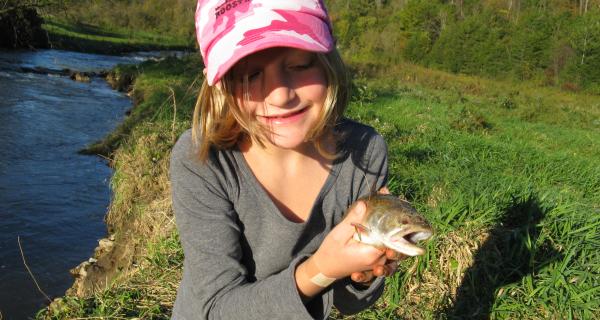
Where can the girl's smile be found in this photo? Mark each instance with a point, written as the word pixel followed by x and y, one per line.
pixel 284 118
pixel 284 89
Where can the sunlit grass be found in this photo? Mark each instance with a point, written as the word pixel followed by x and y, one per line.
pixel 510 182
pixel 92 38
pixel 515 201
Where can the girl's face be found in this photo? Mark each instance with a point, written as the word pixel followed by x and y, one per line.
pixel 286 91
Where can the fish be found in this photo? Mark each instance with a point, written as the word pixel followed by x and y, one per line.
pixel 393 223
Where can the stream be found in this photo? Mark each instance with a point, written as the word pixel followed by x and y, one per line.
pixel 52 200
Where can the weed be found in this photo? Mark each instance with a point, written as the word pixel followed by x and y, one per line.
pixel 470 121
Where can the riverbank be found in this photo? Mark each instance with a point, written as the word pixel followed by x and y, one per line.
pixel 94 39
pixel 141 229
pixel 58 216
pixel 26 29
pixel 506 172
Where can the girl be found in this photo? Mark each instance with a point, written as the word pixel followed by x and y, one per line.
pixel 262 181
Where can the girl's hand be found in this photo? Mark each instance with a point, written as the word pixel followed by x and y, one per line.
pixel 386 270
pixel 340 255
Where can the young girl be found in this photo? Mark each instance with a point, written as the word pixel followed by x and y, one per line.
pixel 263 180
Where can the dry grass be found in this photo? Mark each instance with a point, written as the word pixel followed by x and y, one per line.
pixel 436 286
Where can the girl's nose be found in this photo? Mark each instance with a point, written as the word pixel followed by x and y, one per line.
pixel 278 89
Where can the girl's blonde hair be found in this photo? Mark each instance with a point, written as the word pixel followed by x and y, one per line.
pixel 219 121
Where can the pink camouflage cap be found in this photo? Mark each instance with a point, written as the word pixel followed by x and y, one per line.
pixel 229 30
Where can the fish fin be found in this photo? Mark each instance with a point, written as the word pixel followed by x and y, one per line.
pixel 359 229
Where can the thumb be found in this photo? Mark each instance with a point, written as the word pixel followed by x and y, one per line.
pixel 344 231
pixel 356 213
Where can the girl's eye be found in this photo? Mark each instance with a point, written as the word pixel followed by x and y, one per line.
pixel 302 66
pixel 250 76
pixel 253 75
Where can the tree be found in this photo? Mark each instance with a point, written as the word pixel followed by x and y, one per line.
pixel 585 41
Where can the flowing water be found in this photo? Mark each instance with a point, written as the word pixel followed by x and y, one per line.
pixel 51 198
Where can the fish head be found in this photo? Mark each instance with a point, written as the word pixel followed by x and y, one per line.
pixel 396 224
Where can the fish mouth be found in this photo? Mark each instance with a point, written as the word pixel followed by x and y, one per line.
pixel 406 242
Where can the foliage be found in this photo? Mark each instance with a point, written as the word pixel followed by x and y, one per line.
pixel 420 23
pixel 475 46
pixel 531 42
pixel 171 18
pixel 550 42
pixel 584 67
pixel 21 25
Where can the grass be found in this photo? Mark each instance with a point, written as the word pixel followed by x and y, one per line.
pixel 507 173
pixel 515 201
pixel 90 38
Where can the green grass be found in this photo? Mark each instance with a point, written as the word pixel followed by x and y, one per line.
pixel 91 38
pixel 508 174
pixel 529 185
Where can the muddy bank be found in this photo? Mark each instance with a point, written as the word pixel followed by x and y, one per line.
pixel 116 255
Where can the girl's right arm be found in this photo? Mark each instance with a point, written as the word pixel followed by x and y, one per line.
pixel 215 282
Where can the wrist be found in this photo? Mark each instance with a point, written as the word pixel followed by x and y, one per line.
pixel 309 280
pixel 316 275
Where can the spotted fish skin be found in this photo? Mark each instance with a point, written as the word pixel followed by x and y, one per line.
pixel 392 223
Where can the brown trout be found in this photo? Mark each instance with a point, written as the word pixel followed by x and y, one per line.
pixel 393 223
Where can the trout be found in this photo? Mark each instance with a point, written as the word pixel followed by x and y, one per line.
pixel 392 223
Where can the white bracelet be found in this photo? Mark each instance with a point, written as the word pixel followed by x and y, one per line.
pixel 322 280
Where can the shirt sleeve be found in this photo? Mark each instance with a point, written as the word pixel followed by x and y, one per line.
pixel 349 299
pixel 215 283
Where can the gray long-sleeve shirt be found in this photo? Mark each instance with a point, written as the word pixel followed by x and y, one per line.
pixel 241 252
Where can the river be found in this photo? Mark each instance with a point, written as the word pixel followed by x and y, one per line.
pixel 51 198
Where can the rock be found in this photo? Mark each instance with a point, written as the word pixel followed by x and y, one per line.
pixel 105 245
pixel 80 76
pixel 80 271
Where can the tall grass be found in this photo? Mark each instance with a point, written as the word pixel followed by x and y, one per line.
pixel 508 174
pixel 515 201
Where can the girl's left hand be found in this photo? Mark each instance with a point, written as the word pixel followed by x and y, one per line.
pixel 386 270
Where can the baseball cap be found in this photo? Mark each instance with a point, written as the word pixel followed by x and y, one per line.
pixel 229 30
